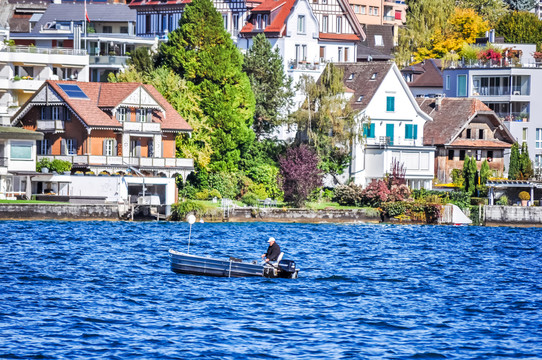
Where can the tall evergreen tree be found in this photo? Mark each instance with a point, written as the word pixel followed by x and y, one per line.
pixel 525 163
pixel 271 86
pixel 202 53
pixel 514 166
pixel 469 174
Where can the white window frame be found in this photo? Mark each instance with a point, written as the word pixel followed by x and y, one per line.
pixel 538 143
pixel 301 24
pixel 448 82
pixel 325 24
pixel 339 25
pixel 109 146
pixel 20 144
pixel 121 114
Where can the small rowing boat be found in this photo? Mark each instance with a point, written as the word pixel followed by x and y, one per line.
pixel 198 265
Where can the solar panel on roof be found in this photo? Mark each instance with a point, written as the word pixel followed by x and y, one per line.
pixel 73 91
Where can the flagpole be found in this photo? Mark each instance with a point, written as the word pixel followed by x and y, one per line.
pixel 85 17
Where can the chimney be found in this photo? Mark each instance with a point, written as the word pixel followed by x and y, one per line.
pixel 438 103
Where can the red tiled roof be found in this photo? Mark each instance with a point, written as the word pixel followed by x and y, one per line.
pixel 108 95
pixel 330 36
pixel 278 25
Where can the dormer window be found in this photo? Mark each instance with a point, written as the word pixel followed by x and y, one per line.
pixel 360 98
pixel 121 114
pixel 373 77
pixel 351 77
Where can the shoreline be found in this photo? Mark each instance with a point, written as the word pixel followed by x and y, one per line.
pixel 493 216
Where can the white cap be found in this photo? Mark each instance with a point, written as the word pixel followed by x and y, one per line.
pixel 271 239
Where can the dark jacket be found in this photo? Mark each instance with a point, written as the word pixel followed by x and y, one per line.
pixel 273 252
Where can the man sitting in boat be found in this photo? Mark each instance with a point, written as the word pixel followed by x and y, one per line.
pixel 273 251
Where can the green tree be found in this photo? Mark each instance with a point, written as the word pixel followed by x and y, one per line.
pixel 271 86
pixel 490 10
pixel 424 18
pixel 520 27
pixel 142 60
pixel 326 119
pixel 514 166
pixel 525 163
pixel 469 175
pixel 485 172
pixel 202 53
pixel 182 96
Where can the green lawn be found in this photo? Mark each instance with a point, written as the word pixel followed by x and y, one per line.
pixel 29 202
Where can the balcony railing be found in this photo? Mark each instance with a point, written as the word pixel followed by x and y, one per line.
pixel 397 141
pixel 38 50
pixel 513 116
pixel 123 161
pixel 141 126
pixel 389 18
pixel 305 65
pixel 50 125
pixel 108 60
pixel 506 63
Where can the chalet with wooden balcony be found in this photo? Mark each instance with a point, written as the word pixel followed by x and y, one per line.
pixel 106 127
pixel 464 127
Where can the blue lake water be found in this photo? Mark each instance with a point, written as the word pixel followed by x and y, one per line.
pixel 105 290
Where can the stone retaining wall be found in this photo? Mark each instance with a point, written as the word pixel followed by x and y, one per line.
pixel 59 211
pixel 303 215
pixel 495 215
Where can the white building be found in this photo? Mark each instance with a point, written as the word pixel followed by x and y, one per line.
pixel 24 69
pixel 17 160
pixel 393 126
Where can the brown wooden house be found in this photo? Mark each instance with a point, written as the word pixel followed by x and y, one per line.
pixel 106 127
pixel 464 127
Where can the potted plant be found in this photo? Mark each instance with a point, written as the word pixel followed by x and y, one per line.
pixel 537 56
pixel 524 196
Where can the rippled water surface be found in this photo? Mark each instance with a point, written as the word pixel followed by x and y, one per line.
pixel 105 290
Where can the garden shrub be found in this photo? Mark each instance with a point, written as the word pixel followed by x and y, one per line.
pixel 250 199
pixel 503 200
pixel 180 210
pixel 214 193
pixel 399 193
pixel 226 183
pixel 348 195
pixel 375 193
pixel 60 166
pixel 43 163
pixel 203 195
pixel 394 208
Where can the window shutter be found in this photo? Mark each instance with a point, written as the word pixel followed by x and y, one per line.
pixel 104 147
pixel 372 130
pixel 128 115
pixel 74 149
pixel 415 135
pixel 115 151
pixel 63 150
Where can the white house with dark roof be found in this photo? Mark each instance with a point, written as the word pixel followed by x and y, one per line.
pixel 392 122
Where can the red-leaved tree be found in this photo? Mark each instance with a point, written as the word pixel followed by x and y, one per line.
pixel 299 174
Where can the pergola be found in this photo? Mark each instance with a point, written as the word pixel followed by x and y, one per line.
pixel 503 184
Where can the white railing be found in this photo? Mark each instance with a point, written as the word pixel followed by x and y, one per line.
pixel 50 125
pixel 39 50
pixel 122 161
pixel 141 126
